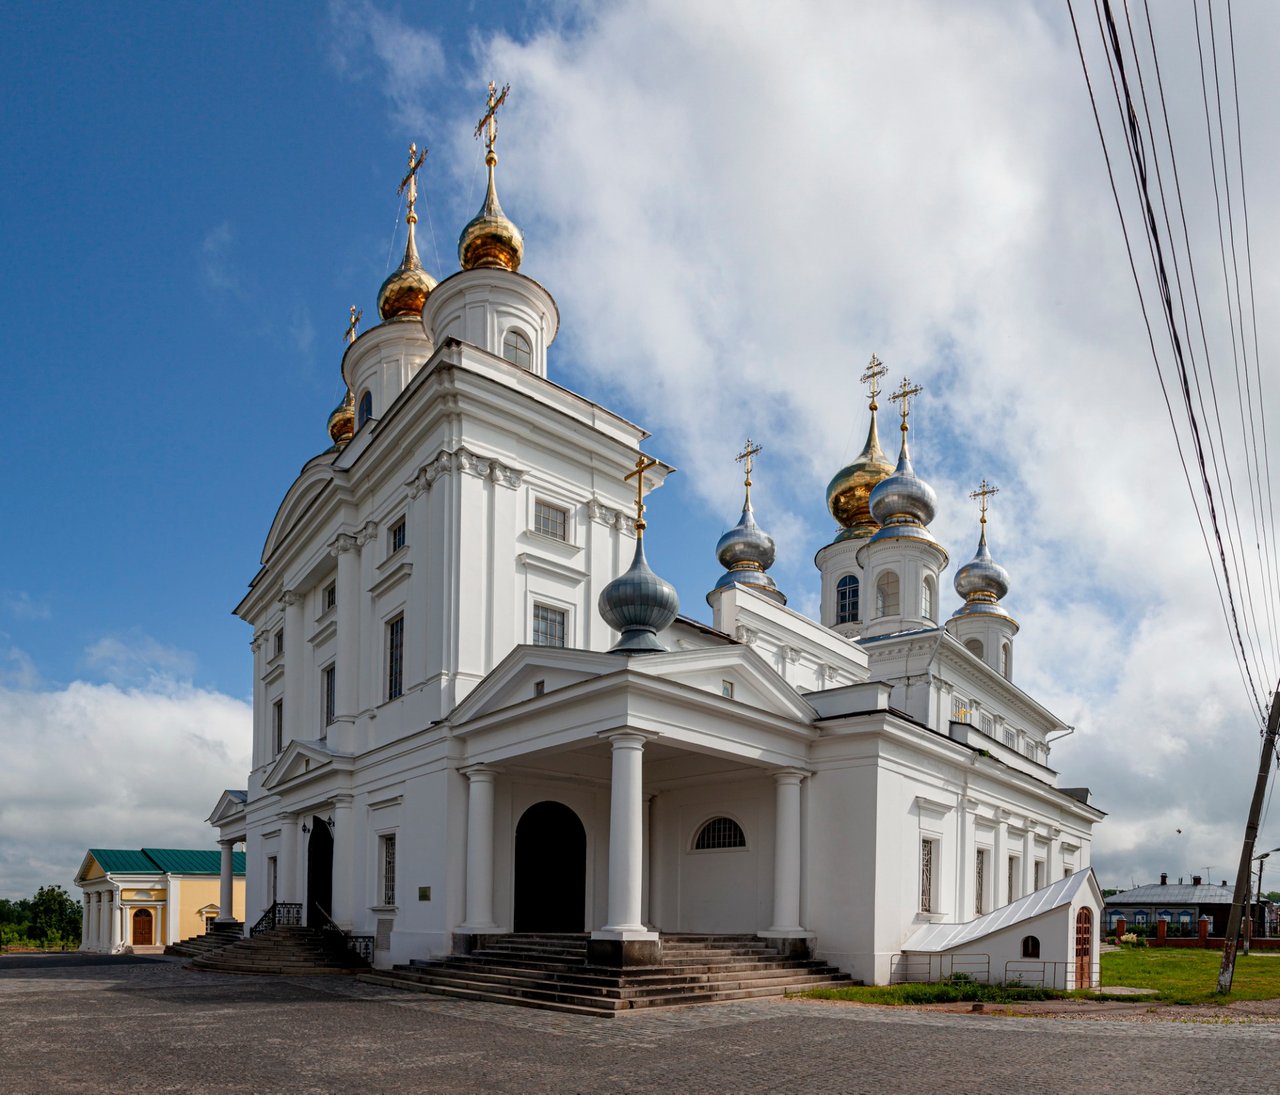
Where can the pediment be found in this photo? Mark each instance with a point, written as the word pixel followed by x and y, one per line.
pixel 299 498
pixel 230 807
pixel 754 682
pixel 515 679
pixel 302 761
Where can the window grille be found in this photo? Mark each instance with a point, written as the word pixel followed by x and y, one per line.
pixel 720 832
pixel 389 869
pixel 549 520
pixel 517 349
pixel 847 600
pixel 396 541
pixel 988 725
pixel 959 709
pixel 548 626
pixel 395 658
pixel 1010 739
pixel 330 596
pixel 927 848
pixel 277 727
pixel 980 883
pixel 279 643
pixel 330 680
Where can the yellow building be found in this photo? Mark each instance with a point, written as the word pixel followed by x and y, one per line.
pixel 154 896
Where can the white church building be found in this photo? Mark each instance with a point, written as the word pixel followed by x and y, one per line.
pixel 478 711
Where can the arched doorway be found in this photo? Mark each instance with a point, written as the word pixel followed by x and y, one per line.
pixel 1084 949
pixel 551 869
pixel 143 928
pixel 319 873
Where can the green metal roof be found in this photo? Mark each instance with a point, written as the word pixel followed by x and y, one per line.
pixel 165 860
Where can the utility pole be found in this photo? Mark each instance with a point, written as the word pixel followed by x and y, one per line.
pixel 1244 875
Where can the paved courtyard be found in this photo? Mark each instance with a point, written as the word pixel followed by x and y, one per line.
pixel 71 1023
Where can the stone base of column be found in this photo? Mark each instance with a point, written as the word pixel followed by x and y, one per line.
pixel 465 942
pixel 794 944
pixel 624 947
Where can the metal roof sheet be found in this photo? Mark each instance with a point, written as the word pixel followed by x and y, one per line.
pixel 1156 894
pixel 124 861
pixel 193 861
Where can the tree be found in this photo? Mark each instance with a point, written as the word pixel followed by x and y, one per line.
pixel 55 916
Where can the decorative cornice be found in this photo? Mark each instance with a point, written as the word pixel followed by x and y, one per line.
pixel 743 634
pixel 367 534
pixel 792 654
pixel 290 597
pixel 464 460
pixel 343 543
pixel 609 517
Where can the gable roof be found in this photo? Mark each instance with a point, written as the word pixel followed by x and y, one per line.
pixel 162 861
pixel 1156 894
pixel 935 938
pixel 124 861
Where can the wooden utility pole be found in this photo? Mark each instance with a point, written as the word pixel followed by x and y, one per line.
pixel 1245 872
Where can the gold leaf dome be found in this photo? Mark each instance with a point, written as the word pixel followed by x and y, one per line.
pixel 849 492
pixel 342 423
pixel 490 239
pixel 406 290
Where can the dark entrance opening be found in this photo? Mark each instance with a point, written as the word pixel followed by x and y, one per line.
pixel 319 873
pixel 551 869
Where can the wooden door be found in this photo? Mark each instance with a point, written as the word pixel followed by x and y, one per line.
pixel 1084 949
pixel 143 925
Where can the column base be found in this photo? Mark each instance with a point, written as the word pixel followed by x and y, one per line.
pixel 794 943
pixel 620 947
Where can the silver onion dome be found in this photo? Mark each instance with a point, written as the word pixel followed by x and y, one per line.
pixel 903 504
pixel 746 551
pixel 982 582
pixel 639 604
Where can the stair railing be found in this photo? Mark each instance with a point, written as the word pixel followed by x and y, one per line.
pixel 360 945
pixel 280 914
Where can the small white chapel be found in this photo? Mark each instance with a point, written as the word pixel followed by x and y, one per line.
pixel 477 710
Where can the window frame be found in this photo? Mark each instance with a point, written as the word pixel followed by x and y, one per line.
pixel 329 693
pixel 277 726
pixel 387 869
pixel 397 535
pixel 364 408
pixel 928 877
pixel 705 825
pixel 394 653
pixel 885 608
pixel 562 613
pixel 519 343
pixel 848 589
pixel 541 505
pixel 329 597
pixel 929 599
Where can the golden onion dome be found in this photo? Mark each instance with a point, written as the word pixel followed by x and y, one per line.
pixel 342 423
pixel 849 493
pixel 405 291
pixel 490 239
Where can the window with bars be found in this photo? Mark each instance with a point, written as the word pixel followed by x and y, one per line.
pixel 720 832
pixel 988 724
pixel 329 692
pixel 548 626
pixel 1014 873
pixel 395 538
pixel 1010 739
pixel 517 349
pixel 959 709
pixel 549 520
pixel 279 643
pixel 277 727
pixel 928 853
pixel 329 598
pixel 395 658
pixel 389 869
pixel 847 599
pixel 980 883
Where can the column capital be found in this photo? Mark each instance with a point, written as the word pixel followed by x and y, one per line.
pixel 290 597
pixel 343 800
pixel 343 543
pixel 627 738
pixel 480 773
pixel 229 842
pixel 790 775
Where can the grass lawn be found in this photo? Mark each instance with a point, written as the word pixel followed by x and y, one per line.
pixel 1178 976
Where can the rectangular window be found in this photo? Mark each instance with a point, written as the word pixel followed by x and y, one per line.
pixel 1015 875
pixel 1010 739
pixel 279 643
pixel 548 626
pixel 395 538
pixel 395 658
pixel 928 853
pixel 726 689
pixel 329 598
pixel 277 727
pixel 988 725
pixel 959 709
pixel 271 880
pixel 329 684
pixel 1039 874
pixel 389 869
pixel 980 883
pixel 549 520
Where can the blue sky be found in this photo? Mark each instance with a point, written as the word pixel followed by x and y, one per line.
pixel 734 207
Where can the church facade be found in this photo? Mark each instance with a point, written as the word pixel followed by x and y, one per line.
pixel 477 710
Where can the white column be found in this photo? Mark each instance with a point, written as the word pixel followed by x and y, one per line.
pixel 346 700
pixel 479 911
pixel 226 914
pixel 344 855
pixel 84 921
pixel 287 860
pixel 786 853
pixel 626 838
pixel 646 880
pixel 113 915
pixel 295 644
pixel 95 921
pixel 261 714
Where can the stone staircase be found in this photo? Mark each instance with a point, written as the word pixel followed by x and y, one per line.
pixel 551 971
pixel 217 937
pixel 282 950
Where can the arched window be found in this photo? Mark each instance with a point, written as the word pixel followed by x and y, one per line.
pixel 720 832
pixel 1030 946
pixel 365 411
pixel 887 594
pixel 1006 660
pixel 974 646
pixel 927 599
pixel 847 600
pixel 517 349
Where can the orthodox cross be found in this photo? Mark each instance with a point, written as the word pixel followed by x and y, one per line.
pixel 488 125
pixel 411 179
pixel 350 333
pixel 903 395
pixel 745 458
pixel 981 495
pixel 872 376
pixel 643 464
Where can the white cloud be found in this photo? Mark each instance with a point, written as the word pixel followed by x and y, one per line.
pixel 17 670
pixel 138 659
pixel 95 765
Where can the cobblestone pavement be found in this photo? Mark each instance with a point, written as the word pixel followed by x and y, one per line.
pixel 69 1024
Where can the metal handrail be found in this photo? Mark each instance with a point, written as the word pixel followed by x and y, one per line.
pixel 280 914
pixel 360 945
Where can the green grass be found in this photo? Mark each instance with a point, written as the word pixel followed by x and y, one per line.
pixel 1178 976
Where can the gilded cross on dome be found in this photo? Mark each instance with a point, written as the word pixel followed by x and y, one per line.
pixel 874 371
pixel 746 458
pixel 350 333
pixel 488 125
pixel 411 180
pixel 903 395
pixel 643 464
pixel 981 495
